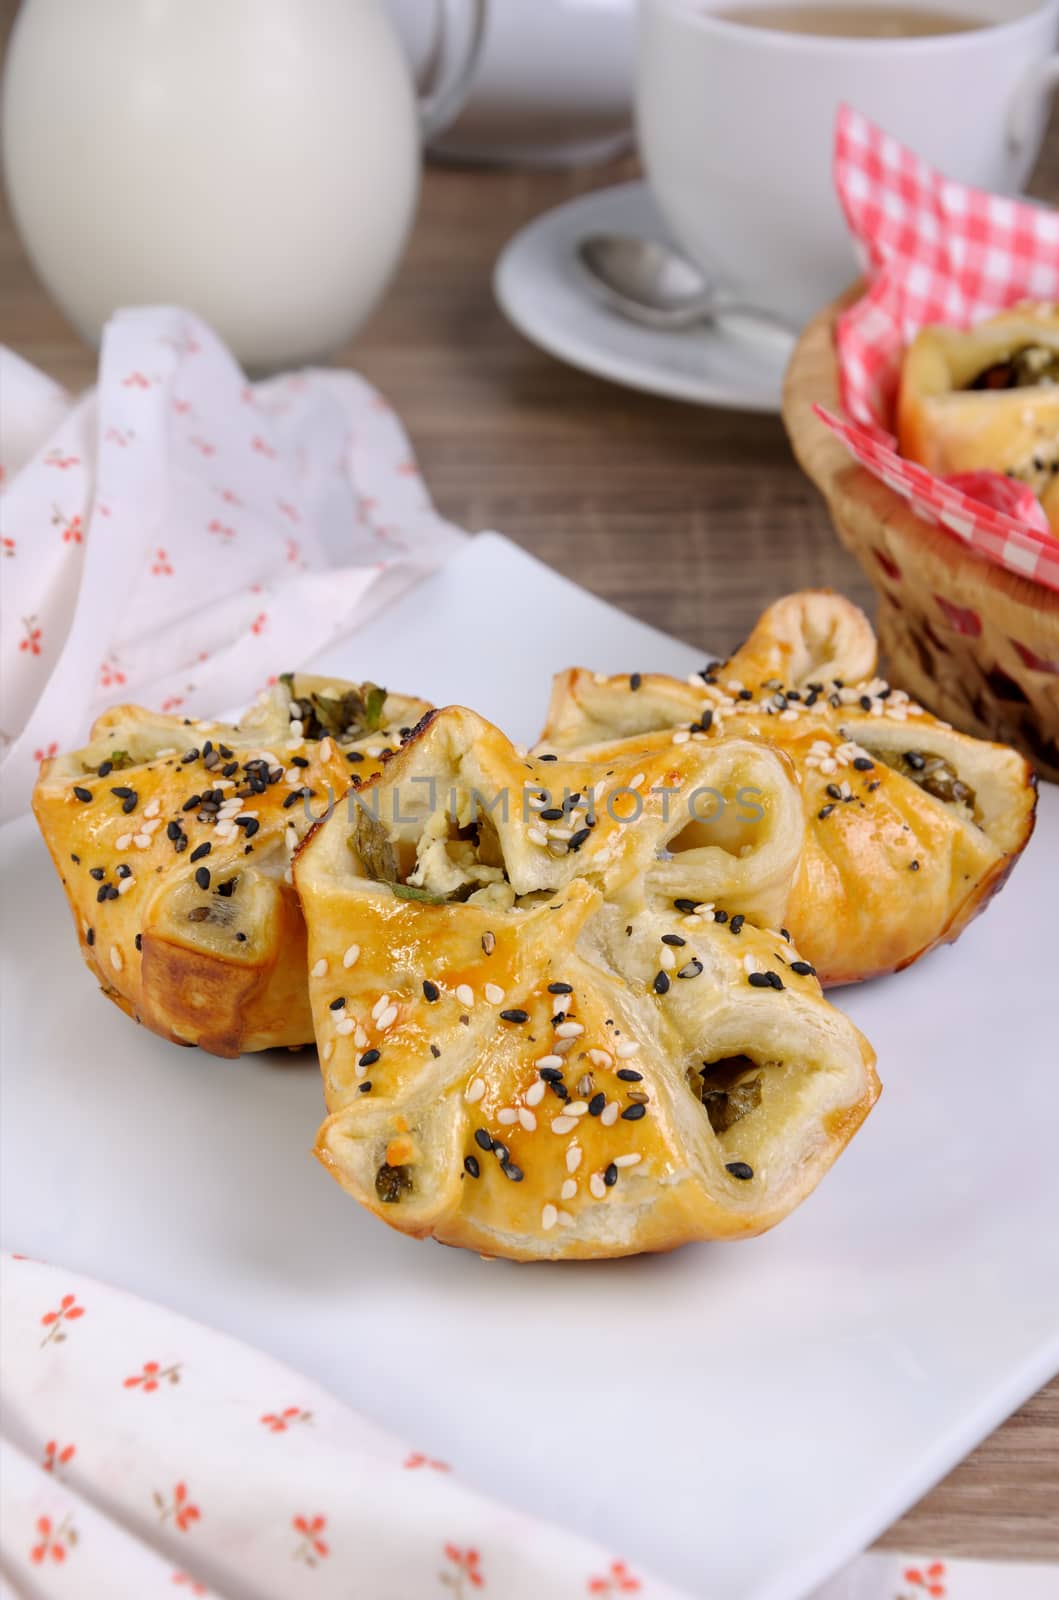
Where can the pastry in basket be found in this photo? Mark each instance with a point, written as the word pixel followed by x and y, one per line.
pixel 987 399
pixel 173 842
pixel 531 1044
pixel 910 826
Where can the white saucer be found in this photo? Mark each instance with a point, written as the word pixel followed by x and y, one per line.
pixel 542 289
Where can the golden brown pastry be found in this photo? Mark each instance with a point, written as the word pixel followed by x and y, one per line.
pixel 987 399
pixel 173 841
pixel 536 1040
pixel 910 826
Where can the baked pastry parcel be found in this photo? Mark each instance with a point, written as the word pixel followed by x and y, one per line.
pixel 987 398
pixel 173 841
pixel 910 827
pixel 532 1043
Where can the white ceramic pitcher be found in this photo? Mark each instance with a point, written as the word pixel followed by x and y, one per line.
pixel 254 160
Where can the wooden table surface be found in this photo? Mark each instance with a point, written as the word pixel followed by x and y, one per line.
pixel 691 519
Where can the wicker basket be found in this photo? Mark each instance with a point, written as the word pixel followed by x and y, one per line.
pixel 973 642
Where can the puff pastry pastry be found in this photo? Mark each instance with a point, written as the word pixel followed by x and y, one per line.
pixel 532 1043
pixel 910 826
pixel 173 842
pixel 987 398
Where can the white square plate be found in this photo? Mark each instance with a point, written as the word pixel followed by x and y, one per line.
pixel 739 1418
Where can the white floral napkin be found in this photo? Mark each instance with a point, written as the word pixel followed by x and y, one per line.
pixel 144 1455
pixel 178 535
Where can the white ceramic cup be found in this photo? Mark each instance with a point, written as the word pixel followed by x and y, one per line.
pixel 553 83
pixel 736 128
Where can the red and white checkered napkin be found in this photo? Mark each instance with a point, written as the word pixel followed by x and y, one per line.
pixel 935 251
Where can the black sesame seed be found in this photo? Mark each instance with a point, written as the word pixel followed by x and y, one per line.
pixel 759 980
pixel 509 1169
pixel 746 694
pixel 351 755
pixel 124 871
pixel 84 795
pixel 471 1167
pixel 736 924
pixel 202 877
pixel 825 811
pixel 560 988
pixel 130 804
pixel 863 764
pixel 482 1139
pixel 365 1087
pixel 803 969
pixel 739 1169
pixel 337 1004
pixel 551 814
pixel 692 969
pixel 547 758
pixel 99 873
pixel 720 916
pixel 915 760
pixel 914 866
pixel 634 1112
pixel 139 941
pixel 629 1075
pixel 774 979
pixel 292 798
pixel 610 1177
pixel 865 702
pixel 431 990
pixel 785 935
pixel 90 936
pixel 227 888
pixel 104 769
pixel 250 825
pixel 661 983
pixel 635 680
pixel 200 852
pixel 191 802
pixel 687 906
pixel 369 1058
pixel 834 791
pixel 302 761
pixel 673 939
pixel 75 859
pixel 110 891
pixel 551 1074
pixel 560 1016
pixel 122 791
pixel 596 1104
pixel 101 894
pixel 501 1151
pixel 514 1015
pixel 180 843
pixel 578 837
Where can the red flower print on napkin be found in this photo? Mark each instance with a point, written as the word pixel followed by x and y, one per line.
pixel 280 1421
pixel 179 1508
pixel 162 567
pixel 153 1376
pixel 466 1565
pixel 617 1580
pixel 56 1321
pixel 54 1457
pixel 136 380
pixel 927 1580
pixel 311 1546
pixel 55 458
pixel 31 641
pixel 262 447
pixel 56 1539
pixel 47 752
pixel 183 1580
pixel 110 673
pixel 418 1459
pixel 259 623
pixel 8 546
pixel 222 529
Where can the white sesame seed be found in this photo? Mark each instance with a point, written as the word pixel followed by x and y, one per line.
pixel 328 1050
pixel 474 1091
pixel 750 963
pixel 682 736
pixel 297 728
pixel 493 993
pixel 507 1115
pixel 291 838
pixel 577 1108
pixel 345 1026
pixel 569 1030
pixel 597 1186
pixel 465 994
pixel 564 1124
pixel 527 1119
pixel 564 1046
pixel 379 1007
pixel 535 1093
pixel 691 921
pixel 549 1217
pixel 320 969
pixel 704 909
pixel 360 1038
pixel 626 1048
pixel 574 1153
pixel 126 884
pixel 829 764
pixel 362 1070
pixel 327 750
pixel 153 809
pixel 789 715
pixel 634 783
pixel 600 1058
pixel 117 960
pixel 142 841
pixel 351 955
pixel 549 1061
pixel 629 1160
pixel 565 1218
pixel 568 1190
pixel 668 959
pixel 387 1020
pixel 537 836
pixel 609 1115
pixel 123 841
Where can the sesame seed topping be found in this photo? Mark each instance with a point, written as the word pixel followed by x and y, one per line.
pixel 597 1186
pixel 465 994
pixel 574 1155
pixel 202 877
pixel 509 1169
pixel 560 988
pixel 494 994
pixel 630 1160
pixel 488 943
pixel 569 1030
pixel 549 1064
pixel 569 1189
pixel 739 1169
pixel 117 960
pixel 471 1167
pixel 634 1112
pixel 609 1115
pixel 527 1119
pixel 535 1093
pixel 84 795
pixel 345 1026
pixel 626 1048
pixel 661 983
pixel 692 969
pixel 387 1019
pixel 320 969
pixel 629 1075
pixel 803 969
pixel 507 1115
pixel 369 1058
pixel 610 1176
pixel 339 1003
pixel 474 1091
pixel 564 1124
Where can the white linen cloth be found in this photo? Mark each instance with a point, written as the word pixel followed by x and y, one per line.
pixel 178 536
pixel 144 1455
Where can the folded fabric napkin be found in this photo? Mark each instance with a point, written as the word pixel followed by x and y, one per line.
pixel 935 251
pixel 146 1455
pixel 179 536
